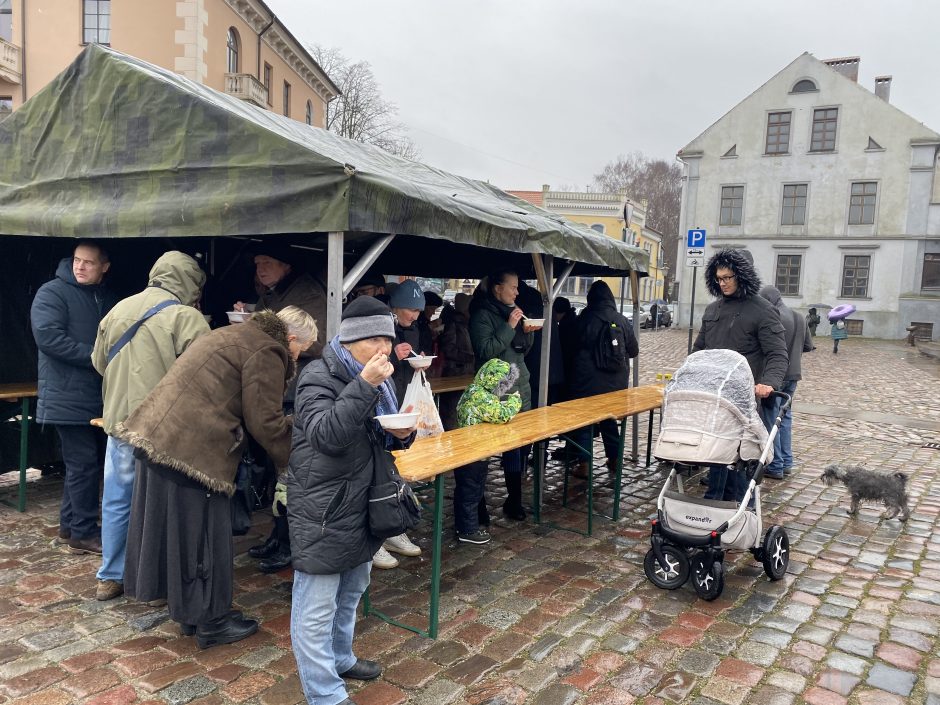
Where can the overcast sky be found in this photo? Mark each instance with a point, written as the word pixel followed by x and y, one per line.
pixel 526 92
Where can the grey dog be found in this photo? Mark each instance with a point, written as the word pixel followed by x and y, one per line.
pixel 864 484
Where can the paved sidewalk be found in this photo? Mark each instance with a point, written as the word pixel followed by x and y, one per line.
pixel 546 616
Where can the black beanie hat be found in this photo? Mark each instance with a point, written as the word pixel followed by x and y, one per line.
pixel 366 317
pixel 274 249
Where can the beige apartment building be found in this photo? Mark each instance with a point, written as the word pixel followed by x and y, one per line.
pixel 235 46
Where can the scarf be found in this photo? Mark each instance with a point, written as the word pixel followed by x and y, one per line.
pixel 387 404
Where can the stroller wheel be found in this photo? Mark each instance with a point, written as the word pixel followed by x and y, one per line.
pixel 776 552
pixel 708 580
pixel 670 576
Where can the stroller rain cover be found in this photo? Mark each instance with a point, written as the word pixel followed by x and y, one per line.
pixel 710 413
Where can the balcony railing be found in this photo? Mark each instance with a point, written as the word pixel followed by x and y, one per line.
pixel 246 87
pixel 9 62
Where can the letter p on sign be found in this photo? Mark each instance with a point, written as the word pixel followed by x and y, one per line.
pixel 696 238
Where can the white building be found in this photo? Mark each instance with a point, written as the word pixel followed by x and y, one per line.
pixel 834 191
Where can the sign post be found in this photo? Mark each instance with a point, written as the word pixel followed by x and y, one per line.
pixel 694 258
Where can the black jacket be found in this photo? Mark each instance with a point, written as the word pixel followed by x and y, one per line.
pixel 404 372
pixel 585 378
pixel 335 444
pixel 65 317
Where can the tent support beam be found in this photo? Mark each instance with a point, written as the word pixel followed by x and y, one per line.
pixel 367 260
pixel 334 283
pixel 543 269
pixel 562 278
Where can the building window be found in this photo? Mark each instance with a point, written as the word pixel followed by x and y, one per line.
pixel 862 203
pixel 96 26
pixel 732 205
pixel 788 274
pixel 598 227
pixel 930 279
pixel 286 99
pixel 6 104
pixel 824 129
pixel 854 326
pixel 794 204
pixel 855 271
pixel 268 72
pixel 6 20
pixel 231 48
pixel 778 133
pixel 804 86
pixel 309 117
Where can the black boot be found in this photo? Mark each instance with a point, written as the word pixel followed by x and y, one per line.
pixel 227 630
pixel 266 549
pixel 512 509
pixel 278 560
pixel 483 514
pixel 190 629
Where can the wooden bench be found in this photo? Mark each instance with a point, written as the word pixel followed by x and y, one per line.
pixel 22 391
pixel 429 459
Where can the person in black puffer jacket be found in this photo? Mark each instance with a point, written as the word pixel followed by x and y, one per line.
pixel 335 444
pixel 587 379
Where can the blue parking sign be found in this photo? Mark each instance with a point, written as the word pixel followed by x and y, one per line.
pixel 696 238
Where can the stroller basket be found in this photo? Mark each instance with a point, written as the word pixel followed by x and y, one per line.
pixel 699 517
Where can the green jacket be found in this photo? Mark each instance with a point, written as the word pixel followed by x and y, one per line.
pixel 143 362
pixel 492 337
pixel 481 402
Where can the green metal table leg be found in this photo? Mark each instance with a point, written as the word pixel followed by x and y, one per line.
pixel 541 460
pixel 649 440
pixel 618 478
pixel 436 557
pixel 590 487
pixel 24 443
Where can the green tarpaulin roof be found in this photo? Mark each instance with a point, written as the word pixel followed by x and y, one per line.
pixel 117 147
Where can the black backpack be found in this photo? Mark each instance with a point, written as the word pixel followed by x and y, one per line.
pixel 610 348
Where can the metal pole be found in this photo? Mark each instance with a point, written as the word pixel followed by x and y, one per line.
pixel 635 292
pixel 692 307
pixel 334 281
pixel 367 260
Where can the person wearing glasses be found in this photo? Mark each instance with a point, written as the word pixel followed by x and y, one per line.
pixel 740 319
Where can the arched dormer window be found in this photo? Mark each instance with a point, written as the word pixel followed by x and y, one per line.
pixel 231 46
pixel 309 119
pixel 804 86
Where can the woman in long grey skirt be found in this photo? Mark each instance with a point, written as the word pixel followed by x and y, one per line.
pixel 189 435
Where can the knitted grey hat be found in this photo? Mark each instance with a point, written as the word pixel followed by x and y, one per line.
pixel 366 317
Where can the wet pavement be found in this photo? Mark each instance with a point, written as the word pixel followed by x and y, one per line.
pixel 547 616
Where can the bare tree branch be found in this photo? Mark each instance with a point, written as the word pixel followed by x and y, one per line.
pixel 361 113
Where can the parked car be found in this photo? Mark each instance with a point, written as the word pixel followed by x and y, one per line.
pixel 663 316
pixel 627 311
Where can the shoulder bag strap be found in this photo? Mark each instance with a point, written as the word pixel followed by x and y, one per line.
pixel 132 331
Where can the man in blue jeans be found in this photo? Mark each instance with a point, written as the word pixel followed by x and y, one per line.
pixel 132 359
pixel 799 340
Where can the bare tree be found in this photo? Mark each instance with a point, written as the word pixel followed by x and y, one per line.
pixel 657 181
pixel 360 112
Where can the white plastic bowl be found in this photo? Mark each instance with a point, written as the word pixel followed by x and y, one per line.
pixel 420 363
pixel 533 322
pixel 238 316
pixel 398 421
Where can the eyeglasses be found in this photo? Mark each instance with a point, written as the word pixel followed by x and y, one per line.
pixel 725 280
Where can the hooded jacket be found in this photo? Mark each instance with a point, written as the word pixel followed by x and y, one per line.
pixel 795 332
pixel 305 292
pixel 192 421
pixel 64 317
pixel 492 337
pixel 136 369
pixel 743 322
pixel 586 378
pixel 482 401
pixel 335 447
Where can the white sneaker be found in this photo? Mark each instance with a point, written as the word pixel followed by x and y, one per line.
pixel 384 559
pixel 402 545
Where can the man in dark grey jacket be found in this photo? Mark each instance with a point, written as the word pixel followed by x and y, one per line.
pixel 799 341
pixel 740 320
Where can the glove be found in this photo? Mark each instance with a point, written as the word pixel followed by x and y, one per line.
pixel 279 506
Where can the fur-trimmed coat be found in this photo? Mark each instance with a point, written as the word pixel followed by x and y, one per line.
pixel 193 420
pixel 744 322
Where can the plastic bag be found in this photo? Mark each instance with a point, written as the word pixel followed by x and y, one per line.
pixel 419 398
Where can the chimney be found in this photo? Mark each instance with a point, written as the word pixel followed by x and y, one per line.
pixel 546 188
pixel 847 66
pixel 883 87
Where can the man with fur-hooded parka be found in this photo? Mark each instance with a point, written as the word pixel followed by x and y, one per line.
pixel 743 321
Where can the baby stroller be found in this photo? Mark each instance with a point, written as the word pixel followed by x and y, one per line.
pixel 710 418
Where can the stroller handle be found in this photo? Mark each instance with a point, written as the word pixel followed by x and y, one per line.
pixel 787 399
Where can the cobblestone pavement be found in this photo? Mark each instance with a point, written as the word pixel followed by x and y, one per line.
pixel 547 616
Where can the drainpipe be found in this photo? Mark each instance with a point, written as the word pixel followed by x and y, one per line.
pixel 23 50
pixel 261 34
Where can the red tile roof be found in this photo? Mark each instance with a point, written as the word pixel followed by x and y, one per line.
pixel 533 197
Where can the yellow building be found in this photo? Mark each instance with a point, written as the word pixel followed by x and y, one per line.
pixel 235 46
pixel 608 214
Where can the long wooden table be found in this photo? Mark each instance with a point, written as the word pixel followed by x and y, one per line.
pixel 23 391
pixel 430 458
pixel 457 383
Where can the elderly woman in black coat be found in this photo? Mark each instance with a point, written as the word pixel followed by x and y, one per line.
pixel 336 443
